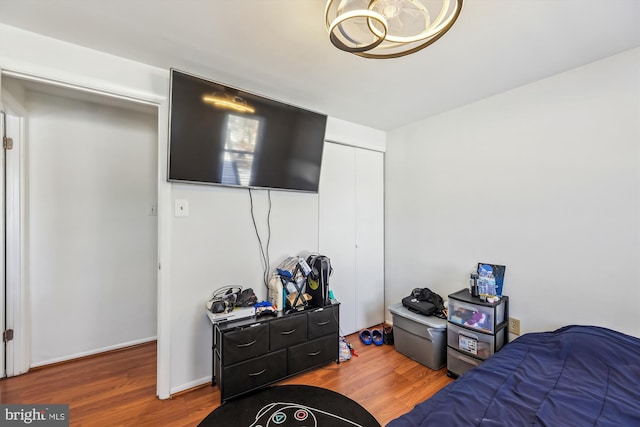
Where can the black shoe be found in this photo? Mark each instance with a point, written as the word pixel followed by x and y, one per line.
pixel 387 335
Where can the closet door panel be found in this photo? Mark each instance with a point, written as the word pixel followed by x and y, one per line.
pixel 369 237
pixel 336 237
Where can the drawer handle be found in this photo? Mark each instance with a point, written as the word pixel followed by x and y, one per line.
pixel 468 335
pixel 323 323
pixel 255 374
pixel 247 344
pixel 314 353
pixel 287 332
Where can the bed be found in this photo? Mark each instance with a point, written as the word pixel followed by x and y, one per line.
pixel 574 376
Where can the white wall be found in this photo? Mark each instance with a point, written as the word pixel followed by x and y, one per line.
pixel 91 246
pixel 216 244
pixel 543 179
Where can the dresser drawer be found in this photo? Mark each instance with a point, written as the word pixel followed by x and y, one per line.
pixel 251 374
pixel 243 344
pixel 475 343
pixel 323 321
pixel 479 317
pixel 287 332
pixel 254 352
pixel 458 363
pixel 313 353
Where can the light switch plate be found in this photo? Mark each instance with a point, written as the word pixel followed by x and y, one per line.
pixel 181 208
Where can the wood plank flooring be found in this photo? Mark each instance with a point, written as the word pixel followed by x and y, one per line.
pixel 118 388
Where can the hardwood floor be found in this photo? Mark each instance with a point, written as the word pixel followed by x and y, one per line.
pixel 118 388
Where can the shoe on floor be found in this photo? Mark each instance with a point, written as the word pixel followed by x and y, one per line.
pixel 365 336
pixel 387 335
pixel 376 336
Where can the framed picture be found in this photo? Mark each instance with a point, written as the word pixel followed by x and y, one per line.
pixel 490 278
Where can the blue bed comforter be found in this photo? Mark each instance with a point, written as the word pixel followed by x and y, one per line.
pixel 574 376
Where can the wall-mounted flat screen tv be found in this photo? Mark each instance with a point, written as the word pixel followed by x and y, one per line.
pixel 225 136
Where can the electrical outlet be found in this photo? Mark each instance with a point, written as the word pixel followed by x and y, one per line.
pixel 514 326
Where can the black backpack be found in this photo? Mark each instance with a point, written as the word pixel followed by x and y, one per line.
pixel 318 279
pixel 425 301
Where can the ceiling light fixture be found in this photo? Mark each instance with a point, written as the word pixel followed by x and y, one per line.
pixel 388 28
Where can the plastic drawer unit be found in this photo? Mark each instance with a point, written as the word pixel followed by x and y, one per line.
pixel 477 329
pixel 422 338
pixel 483 318
pixel 458 363
pixel 474 343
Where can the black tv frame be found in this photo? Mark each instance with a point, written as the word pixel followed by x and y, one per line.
pixel 285 160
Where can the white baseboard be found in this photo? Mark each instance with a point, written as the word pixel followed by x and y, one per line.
pixel 92 352
pixel 190 384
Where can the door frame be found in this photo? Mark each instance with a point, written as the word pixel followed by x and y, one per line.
pixel 3 301
pixel 19 304
pixel 19 349
pixel 16 351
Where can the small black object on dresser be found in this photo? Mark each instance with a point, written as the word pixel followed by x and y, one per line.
pixel 251 353
pixel 476 329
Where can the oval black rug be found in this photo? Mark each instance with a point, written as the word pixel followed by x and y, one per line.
pixel 291 405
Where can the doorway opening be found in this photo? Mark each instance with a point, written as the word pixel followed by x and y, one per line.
pixel 87 224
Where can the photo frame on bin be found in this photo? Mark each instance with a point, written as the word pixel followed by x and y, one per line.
pixel 490 278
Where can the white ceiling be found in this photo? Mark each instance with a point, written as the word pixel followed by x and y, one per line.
pixel 280 48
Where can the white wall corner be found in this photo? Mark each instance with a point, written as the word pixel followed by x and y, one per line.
pixel 356 135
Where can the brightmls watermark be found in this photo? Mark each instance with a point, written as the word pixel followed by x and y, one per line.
pixel 34 415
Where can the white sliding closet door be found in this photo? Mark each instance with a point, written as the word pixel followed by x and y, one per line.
pixel 369 235
pixel 337 227
pixel 351 230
